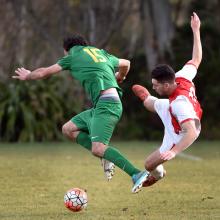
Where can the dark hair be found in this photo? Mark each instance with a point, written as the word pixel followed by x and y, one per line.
pixel 163 73
pixel 74 40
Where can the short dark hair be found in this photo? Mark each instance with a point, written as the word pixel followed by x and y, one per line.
pixel 163 73
pixel 74 40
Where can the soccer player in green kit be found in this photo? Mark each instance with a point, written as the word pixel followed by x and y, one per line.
pixel 93 128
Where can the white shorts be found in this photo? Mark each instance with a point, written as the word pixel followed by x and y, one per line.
pixel 170 137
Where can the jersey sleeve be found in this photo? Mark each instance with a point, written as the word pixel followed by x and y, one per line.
pixel 65 62
pixel 188 71
pixel 113 59
pixel 182 110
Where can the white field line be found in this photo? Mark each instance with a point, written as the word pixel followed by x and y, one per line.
pixel 189 157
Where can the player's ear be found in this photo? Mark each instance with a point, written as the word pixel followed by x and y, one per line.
pixel 166 85
pixel 65 52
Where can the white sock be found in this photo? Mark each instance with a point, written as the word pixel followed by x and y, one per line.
pixel 158 172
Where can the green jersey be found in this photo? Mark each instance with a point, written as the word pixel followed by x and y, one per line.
pixel 94 68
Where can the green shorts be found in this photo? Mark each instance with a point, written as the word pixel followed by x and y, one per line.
pixel 99 122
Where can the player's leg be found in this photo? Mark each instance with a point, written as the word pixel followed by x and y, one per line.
pixel 106 115
pixel 70 130
pixel 77 129
pixel 111 154
pixel 154 162
pixel 154 165
pixel 143 94
pixel 105 118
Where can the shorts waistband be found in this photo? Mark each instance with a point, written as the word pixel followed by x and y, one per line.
pixel 111 97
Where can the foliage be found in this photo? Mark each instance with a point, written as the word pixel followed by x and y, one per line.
pixel 36 110
pixel 33 111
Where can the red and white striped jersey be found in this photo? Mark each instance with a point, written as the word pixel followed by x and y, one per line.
pixel 184 105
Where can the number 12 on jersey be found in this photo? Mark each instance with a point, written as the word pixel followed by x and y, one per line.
pixel 94 54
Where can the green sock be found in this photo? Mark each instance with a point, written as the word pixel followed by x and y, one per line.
pixel 84 140
pixel 113 155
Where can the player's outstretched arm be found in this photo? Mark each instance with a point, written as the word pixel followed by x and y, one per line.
pixel 197 46
pixel 190 135
pixel 40 73
pixel 124 67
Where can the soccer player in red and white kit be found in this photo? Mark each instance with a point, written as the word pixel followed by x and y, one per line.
pixel 180 113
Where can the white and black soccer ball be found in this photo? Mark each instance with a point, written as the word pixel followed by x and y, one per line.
pixel 75 199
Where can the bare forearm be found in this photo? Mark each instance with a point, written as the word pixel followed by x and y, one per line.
pixel 124 67
pixel 36 74
pixel 40 73
pixel 123 71
pixel 190 135
pixel 185 142
pixel 197 48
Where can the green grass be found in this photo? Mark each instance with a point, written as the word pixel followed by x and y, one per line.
pixel 34 178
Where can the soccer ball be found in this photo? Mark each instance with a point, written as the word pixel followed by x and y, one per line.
pixel 75 199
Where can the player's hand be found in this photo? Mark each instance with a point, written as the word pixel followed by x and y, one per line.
pixel 22 73
pixel 119 78
pixel 195 22
pixel 168 155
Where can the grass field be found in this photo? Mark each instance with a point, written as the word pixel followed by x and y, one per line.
pixel 34 178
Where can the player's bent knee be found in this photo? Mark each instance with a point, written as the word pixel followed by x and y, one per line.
pixel 69 132
pixel 75 134
pixel 65 130
pixel 147 166
pixel 96 152
pixel 98 149
pixel 158 172
pixel 151 165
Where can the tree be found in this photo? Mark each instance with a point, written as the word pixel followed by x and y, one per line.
pixel 158 30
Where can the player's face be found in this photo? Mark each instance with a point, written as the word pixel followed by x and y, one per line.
pixel 160 88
